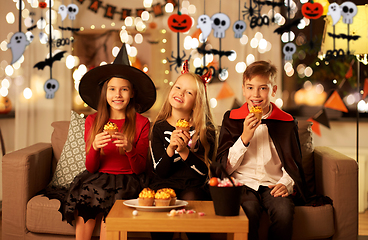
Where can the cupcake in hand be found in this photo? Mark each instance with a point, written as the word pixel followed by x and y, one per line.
pixel 182 124
pixel 111 128
pixel 257 112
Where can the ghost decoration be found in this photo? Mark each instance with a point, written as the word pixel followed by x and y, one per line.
pixel 334 11
pixel 205 24
pixel 63 12
pixel 50 87
pixel 348 11
pixel 72 11
pixel 289 49
pixel 17 44
pixel 220 23
pixel 29 36
pixel 238 28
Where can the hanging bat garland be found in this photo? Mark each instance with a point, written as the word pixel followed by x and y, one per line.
pixel 49 61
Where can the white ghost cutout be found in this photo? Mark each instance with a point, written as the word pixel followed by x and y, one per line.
pixel 63 11
pixel 220 23
pixel 72 11
pixel 50 87
pixel 205 24
pixel 348 11
pixel 289 49
pixel 17 44
pixel 334 11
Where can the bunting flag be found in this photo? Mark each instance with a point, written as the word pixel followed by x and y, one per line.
pixel 321 117
pixel 365 88
pixel 349 73
pixel 315 127
pixel 225 92
pixel 111 10
pixel 335 102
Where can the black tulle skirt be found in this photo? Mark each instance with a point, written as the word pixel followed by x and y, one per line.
pixel 91 194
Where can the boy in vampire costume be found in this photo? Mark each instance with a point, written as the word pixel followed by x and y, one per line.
pixel 264 154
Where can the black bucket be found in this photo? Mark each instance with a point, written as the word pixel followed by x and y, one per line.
pixel 226 200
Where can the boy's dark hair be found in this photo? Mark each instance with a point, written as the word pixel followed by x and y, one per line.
pixel 261 68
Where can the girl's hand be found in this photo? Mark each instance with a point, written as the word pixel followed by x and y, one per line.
pixel 182 140
pixel 177 142
pixel 279 190
pixel 101 140
pixel 249 126
pixel 122 141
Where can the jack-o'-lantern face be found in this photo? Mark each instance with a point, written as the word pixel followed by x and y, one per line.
pixel 42 5
pixel 312 10
pixel 5 105
pixel 179 22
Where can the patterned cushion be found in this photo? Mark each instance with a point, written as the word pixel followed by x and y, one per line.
pixel 73 155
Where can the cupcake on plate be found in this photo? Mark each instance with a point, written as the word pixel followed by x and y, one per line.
pixel 146 197
pixel 172 195
pixel 162 198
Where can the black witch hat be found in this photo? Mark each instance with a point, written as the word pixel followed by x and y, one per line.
pixel 92 82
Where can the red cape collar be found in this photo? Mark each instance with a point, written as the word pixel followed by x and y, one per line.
pixel 276 114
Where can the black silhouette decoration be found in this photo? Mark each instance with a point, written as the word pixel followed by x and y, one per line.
pixel 49 61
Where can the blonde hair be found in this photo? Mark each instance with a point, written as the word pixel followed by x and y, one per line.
pixel 202 119
pixel 103 115
pixel 261 68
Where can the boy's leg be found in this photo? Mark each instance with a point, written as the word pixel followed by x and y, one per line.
pixel 250 203
pixel 281 213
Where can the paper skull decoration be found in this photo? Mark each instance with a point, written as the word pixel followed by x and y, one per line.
pixel 50 87
pixel 289 49
pixel 238 28
pixel 72 11
pixel 179 22
pixel 312 10
pixel 220 23
pixel 348 11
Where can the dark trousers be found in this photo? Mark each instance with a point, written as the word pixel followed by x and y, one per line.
pixel 279 209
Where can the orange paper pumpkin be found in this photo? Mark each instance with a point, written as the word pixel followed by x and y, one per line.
pixel 5 105
pixel 42 5
pixel 312 10
pixel 179 22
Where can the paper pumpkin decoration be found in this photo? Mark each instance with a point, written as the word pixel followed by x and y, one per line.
pixel 179 22
pixel 312 10
pixel 42 5
pixel 5 105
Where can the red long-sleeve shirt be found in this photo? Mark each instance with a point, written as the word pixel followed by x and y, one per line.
pixel 112 161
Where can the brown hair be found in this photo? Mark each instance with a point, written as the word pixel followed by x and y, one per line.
pixel 103 115
pixel 261 68
pixel 202 119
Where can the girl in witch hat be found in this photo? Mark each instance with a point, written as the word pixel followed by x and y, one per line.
pixel 182 154
pixel 114 161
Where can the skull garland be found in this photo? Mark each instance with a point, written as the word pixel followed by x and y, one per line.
pixel 72 11
pixel 289 49
pixel 220 23
pixel 50 87
pixel 239 27
pixel 348 11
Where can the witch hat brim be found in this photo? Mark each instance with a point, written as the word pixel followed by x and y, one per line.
pixel 92 82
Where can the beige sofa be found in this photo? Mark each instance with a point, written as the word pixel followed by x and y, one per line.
pixel 29 216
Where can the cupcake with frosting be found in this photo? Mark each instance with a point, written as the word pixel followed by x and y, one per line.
pixel 172 195
pixel 146 197
pixel 162 198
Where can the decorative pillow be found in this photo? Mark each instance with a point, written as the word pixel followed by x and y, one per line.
pixel 306 144
pixel 73 155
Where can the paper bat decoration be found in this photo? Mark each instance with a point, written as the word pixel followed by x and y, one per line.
pixel 215 52
pixel 69 29
pixel 287 27
pixel 268 3
pixel 49 61
pixel 31 28
pixel 343 36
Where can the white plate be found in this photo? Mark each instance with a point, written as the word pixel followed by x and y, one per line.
pixel 134 204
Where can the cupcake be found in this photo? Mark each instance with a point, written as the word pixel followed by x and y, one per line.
pixel 257 112
pixel 182 124
pixel 111 128
pixel 162 198
pixel 172 195
pixel 146 197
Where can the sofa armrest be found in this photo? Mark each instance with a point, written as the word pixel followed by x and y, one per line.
pixel 337 177
pixel 25 172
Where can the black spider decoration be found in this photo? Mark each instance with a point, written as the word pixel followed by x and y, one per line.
pixel 177 61
pixel 251 11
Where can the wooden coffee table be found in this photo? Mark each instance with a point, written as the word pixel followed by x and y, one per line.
pixel 120 221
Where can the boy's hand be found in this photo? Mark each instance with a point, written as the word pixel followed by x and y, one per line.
pixel 249 126
pixel 279 190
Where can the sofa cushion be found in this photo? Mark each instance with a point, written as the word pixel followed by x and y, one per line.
pixel 73 155
pixel 306 143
